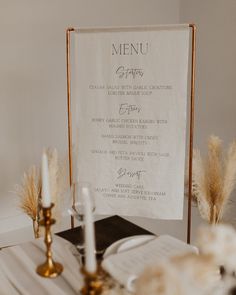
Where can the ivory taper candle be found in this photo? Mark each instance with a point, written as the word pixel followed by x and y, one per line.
pixel 46 197
pixel 90 257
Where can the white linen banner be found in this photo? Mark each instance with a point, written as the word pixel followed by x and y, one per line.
pixel 130 87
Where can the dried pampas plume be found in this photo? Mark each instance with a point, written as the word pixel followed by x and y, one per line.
pixel 29 193
pixel 214 179
pixel 30 189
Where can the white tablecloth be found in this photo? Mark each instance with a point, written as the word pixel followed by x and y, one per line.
pixel 18 269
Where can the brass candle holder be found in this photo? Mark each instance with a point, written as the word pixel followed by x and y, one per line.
pixel 49 269
pixel 92 284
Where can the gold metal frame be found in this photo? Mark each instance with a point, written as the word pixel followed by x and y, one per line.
pixel 191 119
pixel 191 131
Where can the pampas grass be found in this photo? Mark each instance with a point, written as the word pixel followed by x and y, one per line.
pixel 29 193
pixel 198 275
pixel 230 172
pixel 219 241
pixel 200 185
pixel 195 274
pixel 214 179
pixel 30 189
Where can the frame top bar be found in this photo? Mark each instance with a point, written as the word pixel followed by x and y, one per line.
pixel 129 28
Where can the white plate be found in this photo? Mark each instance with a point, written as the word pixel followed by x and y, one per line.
pixel 127 244
pixel 134 242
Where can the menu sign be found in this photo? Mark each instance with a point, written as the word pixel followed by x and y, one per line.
pixel 131 97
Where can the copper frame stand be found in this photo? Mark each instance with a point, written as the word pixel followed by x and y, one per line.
pixel 191 120
pixel 191 131
pixel 69 117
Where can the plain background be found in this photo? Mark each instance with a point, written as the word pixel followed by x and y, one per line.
pixel 33 83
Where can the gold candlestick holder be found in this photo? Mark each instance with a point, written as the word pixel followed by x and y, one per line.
pixel 92 284
pixel 49 269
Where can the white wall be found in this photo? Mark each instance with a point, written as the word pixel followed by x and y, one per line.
pixel 216 66
pixel 216 72
pixel 33 79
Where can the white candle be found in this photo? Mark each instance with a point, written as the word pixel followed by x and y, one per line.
pixel 90 258
pixel 46 197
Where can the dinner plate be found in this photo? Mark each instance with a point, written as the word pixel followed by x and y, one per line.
pixel 127 244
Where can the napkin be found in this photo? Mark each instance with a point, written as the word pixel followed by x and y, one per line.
pixel 126 266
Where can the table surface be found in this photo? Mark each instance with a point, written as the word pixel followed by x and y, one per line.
pixel 108 231
pixel 18 263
